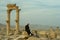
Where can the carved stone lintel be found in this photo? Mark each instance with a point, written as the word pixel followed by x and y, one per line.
pixel 11 5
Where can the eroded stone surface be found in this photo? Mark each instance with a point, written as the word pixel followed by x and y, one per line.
pixel 33 38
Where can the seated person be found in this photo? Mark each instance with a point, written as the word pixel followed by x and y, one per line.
pixel 28 30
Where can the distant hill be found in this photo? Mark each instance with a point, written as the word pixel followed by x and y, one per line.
pixel 32 26
pixel 41 26
pixel 37 26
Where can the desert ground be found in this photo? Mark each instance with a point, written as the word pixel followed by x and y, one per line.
pixel 50 34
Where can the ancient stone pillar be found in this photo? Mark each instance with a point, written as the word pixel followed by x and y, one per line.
pixel 8 22
pixel 17 20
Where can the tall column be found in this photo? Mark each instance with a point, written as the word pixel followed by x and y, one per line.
pixel 17 20
pixel 8 22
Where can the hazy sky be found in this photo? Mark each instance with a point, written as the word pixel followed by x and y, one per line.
pixel 44 12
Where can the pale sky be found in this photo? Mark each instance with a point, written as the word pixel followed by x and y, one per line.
pixel 44 12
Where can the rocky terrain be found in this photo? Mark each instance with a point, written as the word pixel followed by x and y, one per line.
pixel 51 34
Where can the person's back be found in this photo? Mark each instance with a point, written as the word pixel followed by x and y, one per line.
pixel 27 29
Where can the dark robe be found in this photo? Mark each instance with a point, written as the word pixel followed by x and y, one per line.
pixel 27 29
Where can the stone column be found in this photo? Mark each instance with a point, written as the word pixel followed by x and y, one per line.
pixel 17 20
pixel 8 22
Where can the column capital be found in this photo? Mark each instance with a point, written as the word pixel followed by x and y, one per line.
pixel 9 11
pixel 19 9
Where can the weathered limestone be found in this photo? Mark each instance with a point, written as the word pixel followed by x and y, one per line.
pixel 25 33
pixel 10 8
pixel 42 33
pixel 35 33
pixel 57 32
pixel 33 38
pixel 17 20
pixel 8 21
pixel 23 36
pixel 52 34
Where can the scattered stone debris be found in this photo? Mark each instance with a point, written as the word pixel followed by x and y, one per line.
pixel 33 38
pixel 15 34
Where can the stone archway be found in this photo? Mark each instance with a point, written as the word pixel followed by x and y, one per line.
pixel 10 8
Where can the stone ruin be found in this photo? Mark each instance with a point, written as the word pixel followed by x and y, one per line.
pixel 43 35
pixel 10 8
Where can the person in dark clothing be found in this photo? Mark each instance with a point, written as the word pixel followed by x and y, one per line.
pixel 27 29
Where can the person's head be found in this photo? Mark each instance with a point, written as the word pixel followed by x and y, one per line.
pixel 28 24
